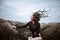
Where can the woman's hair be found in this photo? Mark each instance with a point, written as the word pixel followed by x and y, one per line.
pixel 36 14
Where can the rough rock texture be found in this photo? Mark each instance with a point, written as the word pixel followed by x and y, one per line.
pixel 9 31
pixel 51 31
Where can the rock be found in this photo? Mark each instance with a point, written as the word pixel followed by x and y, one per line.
pixel 51 31
pixel 9 31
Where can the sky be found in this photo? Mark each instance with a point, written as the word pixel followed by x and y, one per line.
pixel 21 10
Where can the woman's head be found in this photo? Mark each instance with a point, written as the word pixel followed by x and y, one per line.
pixel 36 17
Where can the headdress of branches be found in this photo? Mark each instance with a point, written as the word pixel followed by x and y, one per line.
pixel 44 13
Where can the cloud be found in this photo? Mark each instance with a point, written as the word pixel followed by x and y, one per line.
pixel 22 9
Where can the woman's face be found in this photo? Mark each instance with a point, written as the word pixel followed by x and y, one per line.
pixel 32 18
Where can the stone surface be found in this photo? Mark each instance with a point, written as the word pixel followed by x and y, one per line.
pixel 51 31
pixel 9 31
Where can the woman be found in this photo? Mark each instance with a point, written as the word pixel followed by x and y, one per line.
pixel 34 24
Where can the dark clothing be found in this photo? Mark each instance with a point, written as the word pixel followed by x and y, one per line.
pixel 35 28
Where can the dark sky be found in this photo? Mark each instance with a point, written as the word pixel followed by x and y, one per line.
pixel 21 10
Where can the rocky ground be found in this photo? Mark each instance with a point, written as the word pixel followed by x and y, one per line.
pixel 9 31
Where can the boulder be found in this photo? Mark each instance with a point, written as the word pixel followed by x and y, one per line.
pixel 51 31
pixel 9 31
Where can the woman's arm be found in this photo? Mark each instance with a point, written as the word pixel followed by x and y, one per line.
pixel 24 25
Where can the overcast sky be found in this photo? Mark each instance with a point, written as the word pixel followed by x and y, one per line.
pixel 21 10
